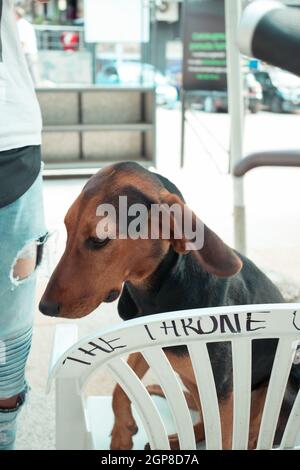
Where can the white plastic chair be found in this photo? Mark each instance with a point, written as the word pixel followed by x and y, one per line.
pixel 86 423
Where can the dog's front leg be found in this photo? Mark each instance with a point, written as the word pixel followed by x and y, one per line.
pixel 125 426
pixel 226 415
pixel 226 412
pixel 258 398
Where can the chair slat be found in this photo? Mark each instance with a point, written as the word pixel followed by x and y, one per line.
pixel 292 430
pixel 276 389
pixel 241 363
pixel 172 388
pixel 208 395
pixel 145 406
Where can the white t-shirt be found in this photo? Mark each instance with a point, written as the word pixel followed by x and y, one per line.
pixel 27 36
pixel 20 116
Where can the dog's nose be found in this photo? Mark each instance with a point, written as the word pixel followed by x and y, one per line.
pixel 49 308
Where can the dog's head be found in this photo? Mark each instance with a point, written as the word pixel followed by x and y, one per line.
pixel 114 235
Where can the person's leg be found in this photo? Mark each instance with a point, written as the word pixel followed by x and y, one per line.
pixel 9 410
pixel 22 233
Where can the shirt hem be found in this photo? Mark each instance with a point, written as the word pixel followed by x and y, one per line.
pixel 25 142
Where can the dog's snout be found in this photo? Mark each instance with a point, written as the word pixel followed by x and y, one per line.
pixel 50 309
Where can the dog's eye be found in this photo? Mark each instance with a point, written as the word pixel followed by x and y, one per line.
pixel 95 243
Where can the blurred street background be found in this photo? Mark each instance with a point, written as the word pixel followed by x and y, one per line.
pixel 106 99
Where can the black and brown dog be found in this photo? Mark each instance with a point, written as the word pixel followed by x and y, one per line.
pixel 155 276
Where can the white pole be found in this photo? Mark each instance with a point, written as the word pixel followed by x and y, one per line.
pixel 233 10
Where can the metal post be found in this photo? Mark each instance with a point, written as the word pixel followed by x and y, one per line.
pixel 182 150
pixel 153 33
pixel 233 10
pixel 94 62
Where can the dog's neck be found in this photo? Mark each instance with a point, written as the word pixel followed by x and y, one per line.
pixel 153 283
pixel 164 270
pixel 168 288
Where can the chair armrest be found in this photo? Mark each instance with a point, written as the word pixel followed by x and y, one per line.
pixel 278 158
pixel 65 336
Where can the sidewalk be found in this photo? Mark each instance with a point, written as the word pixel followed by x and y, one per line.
pixel 273 223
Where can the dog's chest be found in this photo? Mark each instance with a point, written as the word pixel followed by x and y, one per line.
pixel 147 306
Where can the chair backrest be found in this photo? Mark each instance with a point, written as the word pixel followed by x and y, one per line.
pixel 239 325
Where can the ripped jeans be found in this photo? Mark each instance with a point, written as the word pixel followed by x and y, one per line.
pixel 22 234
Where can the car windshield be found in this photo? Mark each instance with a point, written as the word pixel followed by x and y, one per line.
pixel 284 79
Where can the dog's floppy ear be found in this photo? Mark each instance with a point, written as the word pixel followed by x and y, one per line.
pixel 213 254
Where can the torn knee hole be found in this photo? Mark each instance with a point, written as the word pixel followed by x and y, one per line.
pixel 27 260
pixel 13 403
pixel 9 403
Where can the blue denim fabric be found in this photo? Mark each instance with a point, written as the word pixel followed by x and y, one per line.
pixel 8 428
pixel 8 424
pixel 21 222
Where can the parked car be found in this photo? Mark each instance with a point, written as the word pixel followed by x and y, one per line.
pixel 213 102
pixel 134 73
pixel 281 90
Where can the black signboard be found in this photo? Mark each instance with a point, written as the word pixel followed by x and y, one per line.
pixel 204 61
